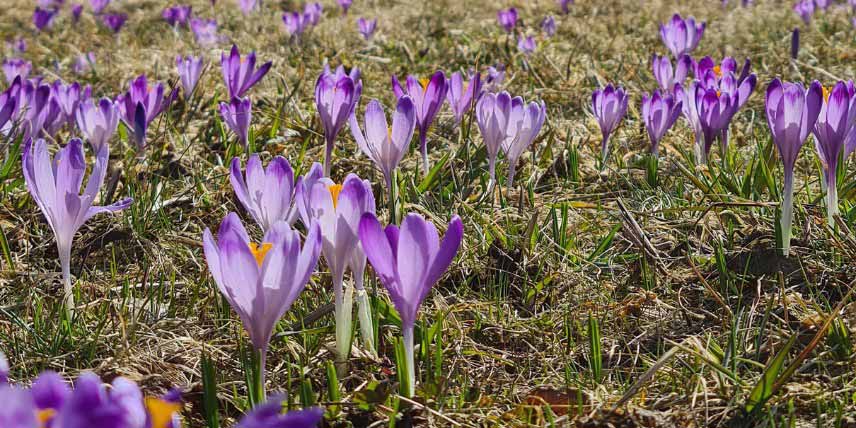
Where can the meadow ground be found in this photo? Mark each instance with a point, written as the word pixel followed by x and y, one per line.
pixel 575 293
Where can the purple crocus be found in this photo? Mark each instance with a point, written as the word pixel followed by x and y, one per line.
pixel 834 122
pixel 548 25
pixel 189 70
pixel 659 112
pixel 76 10
pixel 564 5
pixel 269 415
pixel 666 75
pixel 409 261
pixel 237 114
pixel 260 281
pixel 177 15
pixel 83 63
pixel 492 115
pixel 98 5
pixel 17 45
pixel 114 21
pixel 141 105
pixel 266 193
pixel 50 392
pixel 524 124
pixel 205 31
pixel 805 10
pixel 18 408
pixel 9 108
pixel 680 35
pixel 68 97
pixel 461 99
pixel 248 6
pixel 609 106
pixel 337 209
pixel 336 96
pixel 823 4
pixel 295 23
pixel 385 145
pixel 367 27
pixel 240 73
pixel 795 42
pixel 718 97
pixel 507 19
pixel 93 405
pixel 526 44
pixel 312 12
pixel 4 370
pixel 428 96
pixel 15 67
pixel 42 114
pixel 55 186
pixel 43 18
pixel 97 121
pixel 345 5
pixel 791 115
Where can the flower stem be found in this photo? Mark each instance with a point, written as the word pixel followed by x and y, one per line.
pixel 407 332
pixel 604 151
pixel 700 154
pixel 787 211
pixel 328 154
pixel 364 311
pixel 68 290
pixel 392 185
pixel 344 305
pixel 423 146
pixel 831 198
pixel 259 368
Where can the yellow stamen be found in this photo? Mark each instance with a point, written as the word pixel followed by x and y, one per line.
pixel 335 189
pixel 44 416
pixel 424 82
pixel 161 411
pixel 260 253
pixel 389 134
pixel 826 92
pixel 717 70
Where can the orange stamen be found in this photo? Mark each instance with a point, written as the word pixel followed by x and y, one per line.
pixel 717 70
pixel 260 253
pixel 424 82
pixel 826 92
pixel 44 416
pixel 161 411
pixel 335 189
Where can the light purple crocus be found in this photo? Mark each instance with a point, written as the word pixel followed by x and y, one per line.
pixel 4 370
pixel 564 5
pixel 9 108
pixel 461 99
pixel 43 18
pixel 69 97
pixel 55 186
pixel 141 105
pixel 659 112
pixel 312 12
pixel 834 122
pixel 385 145
pixel 345 5
pixel 92 404
pixel 114 21
pixel 680 35
pixel 494 79
pixel 823 4
pixel 18 408
pixel 205 31
pixel 240 73
pixel 98 5
pixel 189 71
pixel 718 97
pixel 248 6
pixel 526 44
pixel 409 261
pixel 336 96
pixel 666 75
pixel 83 63
pixel 97 121
pixel 260 281
pixel 791 115
pixel 15 67
pixel 238 114
pixel 548 25
pixel 492 115
pixel 337 210
pixel 367 27
pixel 41 113
pixel 524 124
pixel 269 415
pixel 76 10
pixel 266 193
pixel 805 10
pixel 609 105
pixel 17 45
pixel 507 19
pixel 428 96
pixel 295 23
pixel 177 15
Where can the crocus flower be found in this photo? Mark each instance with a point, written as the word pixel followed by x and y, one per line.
pixel 114 21
pixel 718 97
pixel 345 5
pixel 428 96
pixel 177 15
pixel 98 5
pixel 141 105
pixel 666 75
pixel 337 210
pixel 659 112
pixel 266 193
pixel 205 31
pixel 55 186
pixel 14 67
pixel 4 370
pixel 336 97
pixel 795 43
pixel 367 27
pixel 237 114
pixel 524 124
pixel 97 122
pixel 247 6
pixel 834 123
pixel 526 44
pixel 269 415
pixel 689 108
pixel 295 23
pixel 260 281
pixel 83 63
pixel 565 5
pixel 189 70
pixel 409 261
pixel 9 107
pixel 50 393
pixel 494 79
pixel 312 12
pixel 609 106
pixel 68 97
pixel 823 4
pixel 680 35
pixel 383 144
pixel 805 10
pixel 492 114
pixel 43 18
pixel 17 45
pixel 93 405
pixel 791 115
pixel 548 26
pixel 76 10
pixel 240 73
pixel 41 111
pixel 461 99
pixel 18 408
pixel 507 19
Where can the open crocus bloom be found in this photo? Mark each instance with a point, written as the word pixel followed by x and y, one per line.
pixel 240 73
pixel 238 114
pixel 462 99
pixel 141 105
pixel 383 144
pixel 524 124
pixel 680 35
pixel 666 75
pixel 266 193
pixel 55 186
pixel 428 96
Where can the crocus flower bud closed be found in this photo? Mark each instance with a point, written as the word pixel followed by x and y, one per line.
pixel 526 44
pixel 492 115
pixel 680 35
pixel 266 193
pixel 177 15
pixel 805 10
pixel 345 5
pixel 507 19
pixel 189 70
pixel 205 31
pixel 609 106
pixel 659 112
pixel 548 26
pixel 336 97
pixel 141 105
pixel 834 123
pixel 666 75
pixel 367 27
pixel 237 114
pixel 524 124
pixel 97 121
pixel 564 5
pixel 114 21
pixel 240 73
pixel 43 18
